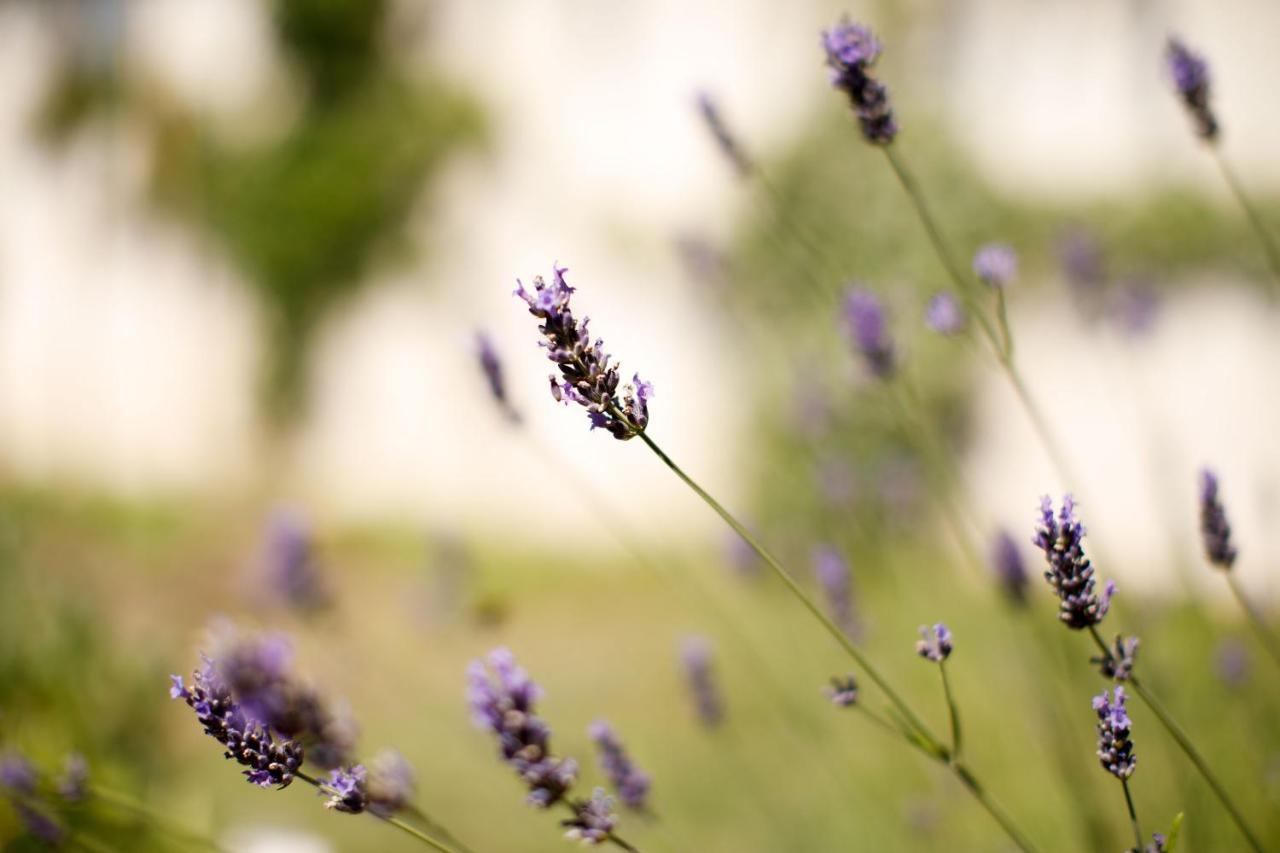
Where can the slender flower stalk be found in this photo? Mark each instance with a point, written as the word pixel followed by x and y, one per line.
pixel 1070 573
pixel 935 645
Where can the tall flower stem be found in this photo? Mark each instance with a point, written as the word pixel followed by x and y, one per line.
pixel 1003 354
pixel 1255 219
pixel 399 824
pixel 1259 624
pixel 1184 743
pixel 918 732
pixel 1133 815
pixel 953 712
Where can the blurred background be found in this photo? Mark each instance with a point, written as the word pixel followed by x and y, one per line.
pixel 246 246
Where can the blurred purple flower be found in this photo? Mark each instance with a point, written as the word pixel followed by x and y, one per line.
pixel 628 780
pixel 1070 572
pixel 742 558
pixel 843 692
pixel 833 574
pixel 996 264
pixel 725 140
pixel 945 315
pixel 17 775
pixel 1081 259
pixel 1135 307
pixel 41 826
pixel 292 570
pixel 73 785
pixel 593 820
pixel 868 332
pixel 1214 528
pixel 1232 663
pixel 935 643
pixel 491 366
pixel 1190 76
pixel 695 654
pixel 587 375
pixel 1115 749
pixel 1009 567
pixel 851 52
pixel 391 784
pixel 346 789
pixel 1120 659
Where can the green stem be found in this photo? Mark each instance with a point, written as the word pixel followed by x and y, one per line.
pixel 1133 817
pixel 1002 318
pixel 129 804
pixel 796 590
pixel 1255 218
pixel 952 710
pixel 1180 737
pixel 394 821
pixel 971 783
pixel 1259 624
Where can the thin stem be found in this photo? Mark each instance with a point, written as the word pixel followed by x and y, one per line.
pixel 1002 318
pixel 434 827
pixel 952 710
pixel 1259 624
pixel 1133 816
pixel 1001 817
pixel 1180 737
pixel 394 821
pixel 129 804
pixel 797 591
pixel 1255 219
pixel 1041 425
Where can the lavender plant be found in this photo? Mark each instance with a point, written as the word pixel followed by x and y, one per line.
pixel 1189 74
pixel 832 571
pixel 935 645
pixel 292 570
pixel 1220 551
pixel 631 783
pixel 1070 574
pixel 696 660
pixel 1009 567
pixel 1115 748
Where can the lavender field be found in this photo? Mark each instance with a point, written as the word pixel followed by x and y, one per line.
pixel 434 426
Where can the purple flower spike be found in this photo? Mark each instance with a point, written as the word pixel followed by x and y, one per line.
pixel 1231 663
pixel 588 376
pixel 491 366
pixel 996 265
pixel 346 789
pixel 1115 749
pixel 629 781
pixel 292 568
pixel 695 654
pixel 935 643
pixel 593 820
pixel 1214 529
pixel 868 331
pixel 843 692
pixel 1120 659
pixel 1070 571
pixel 833 574
pixel 945 315
pixel 1190 75
pixel 1009 567
pixel 17 775
pixel 724 138
pixel 391 784
pixel 40 825
pixel 851 52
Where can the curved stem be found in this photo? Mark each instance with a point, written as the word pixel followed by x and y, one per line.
pixel 1255 218
pixel 797 591
pixel 952 710
pixel 1133 816
pixel 1259 624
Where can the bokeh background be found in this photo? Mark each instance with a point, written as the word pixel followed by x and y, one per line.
pixel 245 246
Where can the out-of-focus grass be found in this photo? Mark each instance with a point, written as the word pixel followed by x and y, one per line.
pixel 787 770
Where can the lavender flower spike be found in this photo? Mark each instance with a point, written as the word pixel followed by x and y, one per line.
pixel 593 820
pixel 1120 659
pixel 843 692
pixel 1009 567
pixel 696 656
pixel 868 331
pixel 629 781
pixel 995 264
pixel 725 139
pixel 391 784
pixel 935 643
pixel 851 51
pixel 1115 749
pixel 1214 529
pixel 1190 75
pixel 1070 571
pixel 347 789
pixel 491 366
pixel 833 575
pixel 945 315
pixel 292 569
pixel 587 375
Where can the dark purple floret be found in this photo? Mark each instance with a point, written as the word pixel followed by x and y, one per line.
pixel 695 654
pixel 1214 529
pixel 587 375
pixel 725 140
pixel 1009 567
pixel 73 785
pixel 945 315
pixel 293 571
pixel 995 264
pixel 851 52
pixel 1190 75
pixel 629 781
pixel 593 820
pixel 346 789
pixel 270 761
pixel 491 366
pixel 1070 572
pixel 1120 659
pixel 833 574
pixel 504 704
pixel 868 331
pixel 1115 749
pixel 843 692
pixel 934 643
